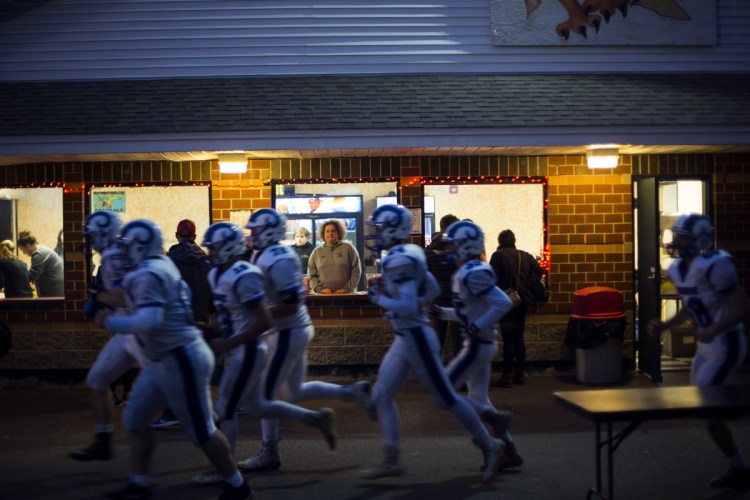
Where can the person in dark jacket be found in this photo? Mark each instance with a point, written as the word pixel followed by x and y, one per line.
pixel 303 246
pixel 512 268
pixel 14 275
pixel 442 270
pixel 194 265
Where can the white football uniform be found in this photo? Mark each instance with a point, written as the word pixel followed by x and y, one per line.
pixel 237 295
pixel 121 351
pixel 477 302
pixel 407 286
pixel 701 287
pixel 179 363
pixel 287 344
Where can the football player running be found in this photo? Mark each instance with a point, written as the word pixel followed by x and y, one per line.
pixel 293 331
pixel 241 319
pixel 478 305
pixel 403 290
pixel 100 233
pixel 179 363
pixel 712 296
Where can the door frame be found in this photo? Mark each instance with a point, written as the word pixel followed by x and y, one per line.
pixel 640 322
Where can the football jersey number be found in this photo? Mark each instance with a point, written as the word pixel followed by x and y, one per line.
pixel 700 313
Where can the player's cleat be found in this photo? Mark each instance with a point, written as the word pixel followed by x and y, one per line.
pixel 511 459
pixel 735 477
pixel 131 492
pixel 167 421
pixel 389 467
pixel 324 422
pixel 492 451
pixel 498 422
pixel 361 395
pixel 268 458
pixel 100 449
pixel 207 478
pixel 242 492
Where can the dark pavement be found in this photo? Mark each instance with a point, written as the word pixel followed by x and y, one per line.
pixel 41 423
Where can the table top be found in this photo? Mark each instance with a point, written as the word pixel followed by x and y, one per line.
pixel 658 402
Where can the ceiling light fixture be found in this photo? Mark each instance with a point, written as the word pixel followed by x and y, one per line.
pixel 232 163
pixel 604 156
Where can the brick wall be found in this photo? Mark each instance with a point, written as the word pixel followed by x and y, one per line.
pixel 590 232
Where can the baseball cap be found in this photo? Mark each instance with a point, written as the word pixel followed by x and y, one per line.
pixel 186 227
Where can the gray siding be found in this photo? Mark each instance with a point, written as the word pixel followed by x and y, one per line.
pixel 105 39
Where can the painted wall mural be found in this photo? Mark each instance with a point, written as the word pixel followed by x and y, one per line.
pixel 603 22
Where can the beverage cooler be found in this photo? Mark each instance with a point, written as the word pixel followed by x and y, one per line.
pixel 311 212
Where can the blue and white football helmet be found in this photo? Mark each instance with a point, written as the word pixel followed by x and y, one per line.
pixel 139 240
pixel 226 239
pixel 101 229
pixel 692 235
pixel 464 241
pixel 392 224
pixel 267 227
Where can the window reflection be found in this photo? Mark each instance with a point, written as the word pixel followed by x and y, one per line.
pixel 31 221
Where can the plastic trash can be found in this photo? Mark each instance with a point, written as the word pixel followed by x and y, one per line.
pixel 596 329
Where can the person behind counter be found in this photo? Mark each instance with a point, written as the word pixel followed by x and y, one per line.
pixel 334 267
pixel 46 266
pixel 302 245
pixel 14 275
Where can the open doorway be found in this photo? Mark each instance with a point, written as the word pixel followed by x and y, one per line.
pixel 658 202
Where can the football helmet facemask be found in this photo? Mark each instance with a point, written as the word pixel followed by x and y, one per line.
pixel 267 227
pixel 226 239
pixel 101 229
pixel 692 235
pixel 140 239
pixel 464 241
pixel 392 225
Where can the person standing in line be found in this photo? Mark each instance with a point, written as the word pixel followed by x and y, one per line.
pixel 237 289
pixel 293 331
pixel 303 246
pixel 46 270
pixel 14 275
pixel 100 233
pixel 442 269
pixel 334 267
pixel 478 304
pixel 713 297
pixel 194 265
pixel 403 290
pixel 180 362
pixel 512 268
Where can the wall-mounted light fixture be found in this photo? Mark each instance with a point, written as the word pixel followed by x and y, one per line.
pixel 232 163
pixel 603 156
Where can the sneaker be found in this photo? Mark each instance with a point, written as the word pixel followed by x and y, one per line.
pixel 492 451
pixel 361 396
pixel 165 423
pixel 268 458
pixel 511 459
pixel 100 449
pixel 324 422
pixel 242 492
pixel 383 470
pixel 735 477
pixel 389 467
pixel 131 492
pixel 207 478
pixel 505 380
